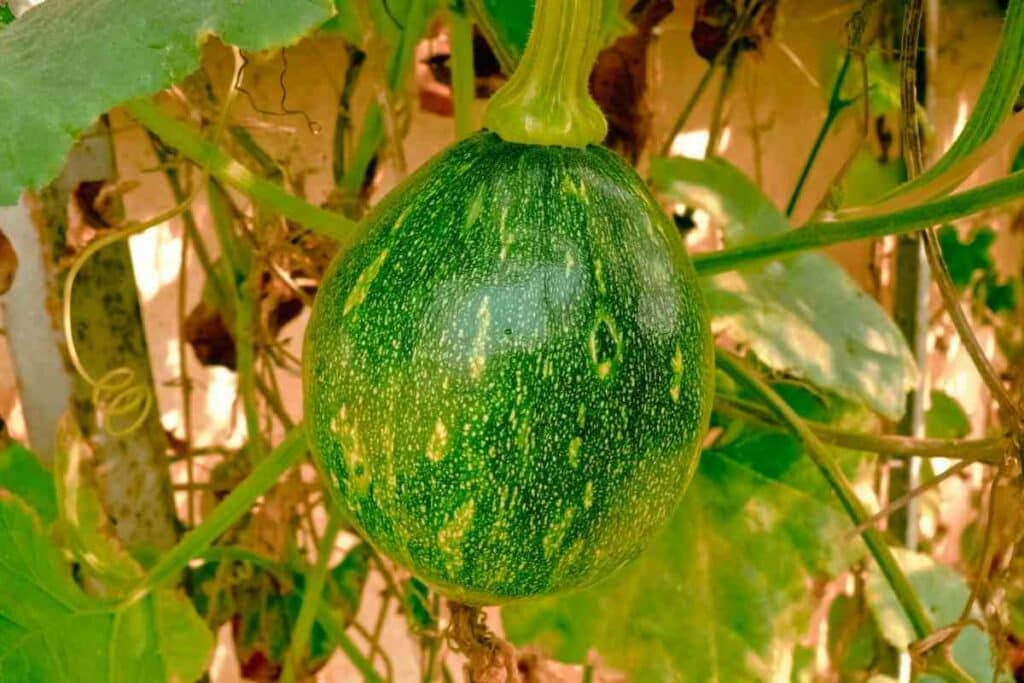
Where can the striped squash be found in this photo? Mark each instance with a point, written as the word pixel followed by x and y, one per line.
pixel 508 380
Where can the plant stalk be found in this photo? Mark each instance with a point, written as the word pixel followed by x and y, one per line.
pixel 312 595
pixel 231 509
pixel 270 195
pixel 836 104
pixel 463 76
pixel 825 233
pixel 547 101
pixel 984 451
pixel 400 61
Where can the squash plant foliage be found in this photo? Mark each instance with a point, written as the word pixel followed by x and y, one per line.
pixel 509 367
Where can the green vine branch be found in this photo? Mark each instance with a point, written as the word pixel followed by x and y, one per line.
pixel 372 134
pixel 919 619
pixel 836 105
pixel 230 172
pixel 312 595
pixel 739 28
pixel 984 451
pixel 231 509
pixel 820 234
pixel 463 76
pixel 913 154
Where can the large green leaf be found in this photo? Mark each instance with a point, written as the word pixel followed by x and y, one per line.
pixel 22 474
pixel 66 62
pixel 720 594
pixel 51 631
pixel 944 594
pixel 804 314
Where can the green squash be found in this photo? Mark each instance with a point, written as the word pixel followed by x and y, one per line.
pixel 507 382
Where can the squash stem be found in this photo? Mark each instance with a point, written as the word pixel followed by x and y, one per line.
pixel 463 77
pixel 547 101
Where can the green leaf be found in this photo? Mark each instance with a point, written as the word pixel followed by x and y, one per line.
pixel 6 15
pixel 53 632
pixel 721 592
pixel 416 596
pixel 944 594
pixel 883 81
pixel 1018 160
pixel 261 598
pixel 1000 297
pixel 964 259
pixel 507 26
pixel 345 23
pixel 83 522
pixel 803 314
pixel 346 581
pixel 66 62
pixel 946 418
pixel 854 642
pixel 868 179
pixel 23 475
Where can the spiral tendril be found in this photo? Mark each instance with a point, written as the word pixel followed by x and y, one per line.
pixel 122 401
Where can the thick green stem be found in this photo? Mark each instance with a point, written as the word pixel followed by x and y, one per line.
pixel 547 101
pixel 817 235
pixel 192 145
pixel 231 509
pixel 919 619
pixel 463 77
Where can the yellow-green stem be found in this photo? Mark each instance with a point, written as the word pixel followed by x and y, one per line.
pixel 547 101
pixel 463 77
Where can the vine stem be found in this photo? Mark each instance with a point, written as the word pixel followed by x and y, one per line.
pixel 951 301
pixel 312 595
pixel 914 155
pixel 400 61
pixel 231 509
pixel 184 378
pixel 463 77
pixel 718 111
pixel 726 52
pixel 230 172
pixel 984 451
pixel 337 634
pixel 691 104
pixel 836 104
pixel 825 233
pixel 919 619
pixel 916 614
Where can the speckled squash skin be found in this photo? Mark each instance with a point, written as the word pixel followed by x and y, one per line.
pixel 508 380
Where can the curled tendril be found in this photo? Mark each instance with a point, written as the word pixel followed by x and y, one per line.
pixel 121 399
